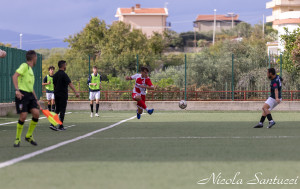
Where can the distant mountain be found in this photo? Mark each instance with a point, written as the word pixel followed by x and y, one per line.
pixel 30 41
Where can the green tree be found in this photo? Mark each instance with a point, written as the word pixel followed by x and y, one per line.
pixel 243 29
pixel 156 43
pixel 91 39
pixel 173 39
pixel 5 45
pixel 291 42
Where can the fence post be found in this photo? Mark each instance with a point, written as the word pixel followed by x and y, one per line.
pixel 185 77
pixel 137 63
pixel 280 65
pixel 232 79
pixel 226 89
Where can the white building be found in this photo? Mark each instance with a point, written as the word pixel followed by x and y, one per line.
pixel 289 20
pixel 285 14
pixel 148 20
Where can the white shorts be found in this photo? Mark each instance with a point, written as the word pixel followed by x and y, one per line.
pixel 95 95
pixel 50 96
pixel 272 103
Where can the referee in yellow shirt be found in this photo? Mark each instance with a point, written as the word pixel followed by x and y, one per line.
pixel 26 101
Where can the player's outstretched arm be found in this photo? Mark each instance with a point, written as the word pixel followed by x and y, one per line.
pixel 150 87
pixel 73 88
pixel 128 78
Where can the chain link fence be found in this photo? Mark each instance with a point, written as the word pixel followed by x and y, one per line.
pixel 193 77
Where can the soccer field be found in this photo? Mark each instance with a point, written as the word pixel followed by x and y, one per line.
pixel 165 150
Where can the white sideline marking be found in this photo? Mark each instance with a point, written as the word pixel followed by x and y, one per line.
pixel 26 120
pixel 33 154
pixel 70 126
pixel 196 137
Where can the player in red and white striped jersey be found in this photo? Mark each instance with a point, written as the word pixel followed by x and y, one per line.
pixel 142 83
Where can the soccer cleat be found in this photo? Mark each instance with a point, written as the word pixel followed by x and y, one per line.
pixel 150 111
pixel 96 115
pixel 271 124
pixel 17 143
pixel 53 127
pixel 138 116
pixel 92 114
pixel 31 140
pixel 259 126
pixel 61 128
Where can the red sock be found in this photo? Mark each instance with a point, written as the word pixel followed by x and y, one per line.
pixel 142 104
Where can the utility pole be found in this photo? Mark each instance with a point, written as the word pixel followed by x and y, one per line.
pixel 231 15
pixel 214 33
pixel 21 35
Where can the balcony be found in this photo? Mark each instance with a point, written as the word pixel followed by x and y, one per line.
pixel 274 3
pixel 270 4
pixel 289 15
pixel 270 18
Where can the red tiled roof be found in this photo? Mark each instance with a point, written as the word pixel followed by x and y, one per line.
pixel 218 17
pixel 143 11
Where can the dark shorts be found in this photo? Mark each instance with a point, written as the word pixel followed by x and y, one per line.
pixel 27 103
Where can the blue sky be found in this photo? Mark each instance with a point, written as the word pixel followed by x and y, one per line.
pixel 60 18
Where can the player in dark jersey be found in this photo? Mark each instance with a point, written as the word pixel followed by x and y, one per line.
pixel 273 100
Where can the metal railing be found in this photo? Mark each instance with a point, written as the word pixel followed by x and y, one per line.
pixel 190 95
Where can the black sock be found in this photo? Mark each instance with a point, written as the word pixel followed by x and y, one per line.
pixel 53 107
pixel 49 107
pixel 35 120
pixel 262 119
pixel 92 107
pixel 97 108
pixel 20 122
pixel 269 116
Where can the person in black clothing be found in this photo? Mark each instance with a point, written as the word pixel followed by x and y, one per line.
pixel 273 100
pixel 61 82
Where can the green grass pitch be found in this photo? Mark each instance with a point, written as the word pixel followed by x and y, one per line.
pixel 167 150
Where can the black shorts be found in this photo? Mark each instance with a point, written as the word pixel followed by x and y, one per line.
pixel 27 103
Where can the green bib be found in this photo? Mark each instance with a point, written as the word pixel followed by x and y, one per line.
pixel 50 87
pixel 95 79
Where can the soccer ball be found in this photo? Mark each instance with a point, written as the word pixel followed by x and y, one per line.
pixel 182 104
